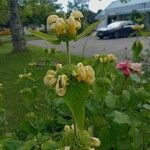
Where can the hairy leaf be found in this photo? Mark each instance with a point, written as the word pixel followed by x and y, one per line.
pixel 50 38
pixel 121 117
pixel 110 101
pixel 75 99
pixel 137 138
pixel 135 77
pixel 88 30
pixel 27 145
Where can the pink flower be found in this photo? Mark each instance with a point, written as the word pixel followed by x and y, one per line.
pixel 124 67
pixel 126 72
pixel 128 67
pixel 136 67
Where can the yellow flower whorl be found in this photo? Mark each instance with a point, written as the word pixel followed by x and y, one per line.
pixel 67 27
pixel 51 19
pixel 76 14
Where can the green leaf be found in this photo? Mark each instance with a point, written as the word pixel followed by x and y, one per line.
pixel 61 120
pixel 49 145
pixel 105 138
pixel 75 99
pixel 110 101
pixel 13 145
pixel 137 138
pixel 50 38
pixel 88 30
pixel 145 33
pixel 124 144
pixel 2 116
pixel 119 130
pixel 121 117
pixel 93 106
pixel 29 128
pixel 126 97
pixel 3 143
pixel 27 145
pixel 101 87
pixel 135 78
pixel 146 106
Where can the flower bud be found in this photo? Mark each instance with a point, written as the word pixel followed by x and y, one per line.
pixel 49 80
pixel 67 128
pixel 80 65
pixel 96 56
pixel 61 85
pixel 51 19
pixel 101 59
pixel 20 76
pixel 59 26
pixel 76 14
pixel 95 142
pixel 52 72
pixel 58 66
pixel 67 148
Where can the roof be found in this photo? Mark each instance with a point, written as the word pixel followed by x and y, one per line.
pixel 117 3
pixel 119 8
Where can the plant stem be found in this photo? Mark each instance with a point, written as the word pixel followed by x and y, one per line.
pixel 75 126
pixel 84 46
pixel 125 83
pixel 68 53
pixel 39 143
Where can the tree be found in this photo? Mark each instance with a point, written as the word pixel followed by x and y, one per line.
pixel 137 17
pixel 35 12
pixel 16 27
pixel 4 15
pixel 91 17
pixel 81 5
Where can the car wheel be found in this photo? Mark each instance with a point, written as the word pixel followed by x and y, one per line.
pixel 116 35
pixel 101 37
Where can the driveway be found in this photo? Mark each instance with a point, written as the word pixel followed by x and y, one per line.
pixel 91 45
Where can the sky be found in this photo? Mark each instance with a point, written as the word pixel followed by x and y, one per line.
pixel 94 5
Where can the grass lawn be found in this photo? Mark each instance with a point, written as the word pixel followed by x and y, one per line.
pixel 7 38
pixel 11 65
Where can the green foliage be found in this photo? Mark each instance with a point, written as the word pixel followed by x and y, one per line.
pixel 81 5
pixel 137 140
pixel 137 47
pixel 110 100
pixel 75 99
pixel 36 12
pixel 117 107
pixel 54 40
pixel 50 38
pixel 87 31
pixel 117 114
pixel 137 17
pixel 80 140
pixel 121 118
pixel 4 13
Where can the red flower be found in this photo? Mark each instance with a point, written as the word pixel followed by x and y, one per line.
pixel 125 68
pixel 129 67
pixel 126 72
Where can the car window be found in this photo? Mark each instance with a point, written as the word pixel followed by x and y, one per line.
pixel 114 24
pixel 130 23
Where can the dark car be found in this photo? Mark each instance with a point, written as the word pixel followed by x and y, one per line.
pixel 116 29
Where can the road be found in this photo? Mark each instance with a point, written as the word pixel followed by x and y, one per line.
pixel 91 45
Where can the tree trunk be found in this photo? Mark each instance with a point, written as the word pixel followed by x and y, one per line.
pixel 45 25
pixel 18 39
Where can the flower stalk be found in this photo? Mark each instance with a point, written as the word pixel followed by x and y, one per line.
pixel 68 53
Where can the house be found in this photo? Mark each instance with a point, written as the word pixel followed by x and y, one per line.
pixel 122 11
